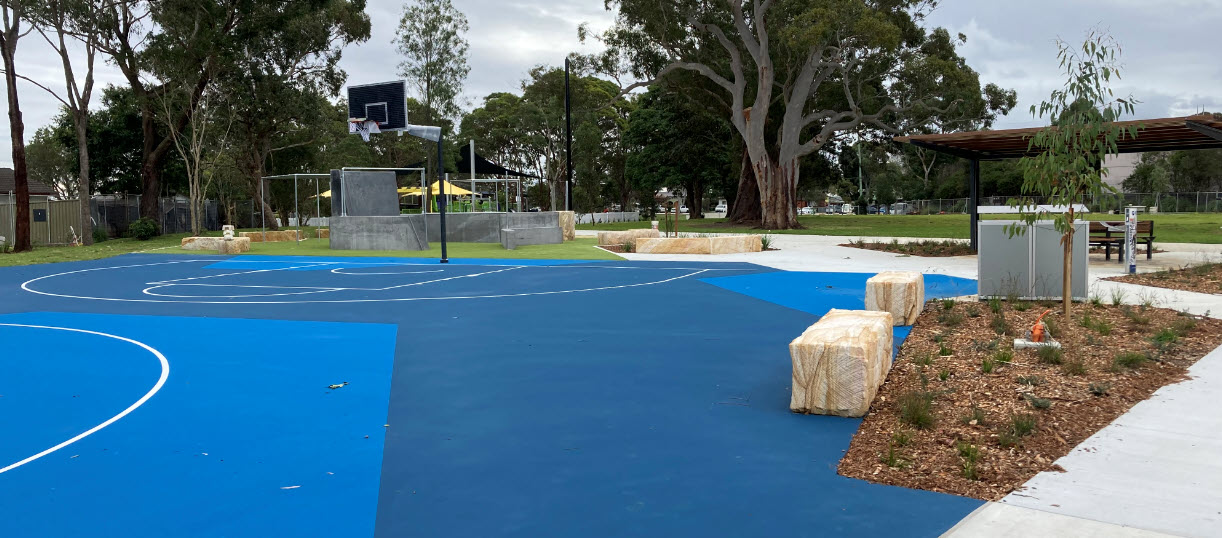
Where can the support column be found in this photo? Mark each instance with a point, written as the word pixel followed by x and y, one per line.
pixel 974 201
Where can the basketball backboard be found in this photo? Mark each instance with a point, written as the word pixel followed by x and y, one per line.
pixel 384 103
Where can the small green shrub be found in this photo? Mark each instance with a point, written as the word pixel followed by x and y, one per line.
pixel 1000 326
pixel 975 417
pixel 1164 339
pixel 1074 367
pixel 973 311
pixel 1181 327
pixel 916 409
pixel 1129 359
pixel 1101 326
pixel 1023 425
pixel 1007 439
pixel 986 366
pixel 143 229
pixel 892 458
pixel 970 454
pixel 943 374
pixel 1037 402
pixel 950 319
pixel 1053 328
pixel 1100 389
pixel 1136 317
pixel 1003 356
pixel 995 305
pixel 629 246
pixel 924 359
pixel 945 350
pixel 1096 300
pixel 948 304
pixel 1032 380
pixel 99 234
pixel 765 241
pixel 1022 306
pixel 901 438
pixel 1117 296
pixel 1050 355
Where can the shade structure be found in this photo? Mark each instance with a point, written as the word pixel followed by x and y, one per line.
pixel 451 190
pixel 323 194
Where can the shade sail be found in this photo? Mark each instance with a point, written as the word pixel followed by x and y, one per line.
pixel 451 189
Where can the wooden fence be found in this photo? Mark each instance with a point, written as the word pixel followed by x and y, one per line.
pixel 51 222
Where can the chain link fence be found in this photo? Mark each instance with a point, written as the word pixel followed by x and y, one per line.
pixel 1164 202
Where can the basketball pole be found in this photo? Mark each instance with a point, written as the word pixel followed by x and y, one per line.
pixel 568 138
pixel 442 206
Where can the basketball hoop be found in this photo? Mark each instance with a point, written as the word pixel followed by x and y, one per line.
pixel 363 127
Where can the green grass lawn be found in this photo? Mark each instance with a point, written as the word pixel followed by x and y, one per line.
pixel 583 248
pixel 1168 227
pixel 580 249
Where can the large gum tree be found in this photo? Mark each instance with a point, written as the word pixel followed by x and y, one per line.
pixel 795 74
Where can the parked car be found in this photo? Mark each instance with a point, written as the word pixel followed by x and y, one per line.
pixel 846 209
pixel 806 210
pixel 901 208
pixel 683 209
pixel 721 208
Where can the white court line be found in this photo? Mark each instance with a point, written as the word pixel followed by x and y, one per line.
pixel 310 289
pixel 340 271
pixel 26 286
pixel 583 265
pixel 165 373
pixel 316 264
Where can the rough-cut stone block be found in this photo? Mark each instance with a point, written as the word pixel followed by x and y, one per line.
pixel 839 363
pixel 201 243
pixel 323 233
pixel 271 237
pixel 218 244
pixel 626 236
pixel 734 244
pixel 568 224
pixel 673 245
pixel 236 245
pixel 902 293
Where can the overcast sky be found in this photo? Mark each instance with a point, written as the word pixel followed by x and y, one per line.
pixel 1170 55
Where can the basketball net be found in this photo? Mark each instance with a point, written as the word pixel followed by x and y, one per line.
pixel 363 128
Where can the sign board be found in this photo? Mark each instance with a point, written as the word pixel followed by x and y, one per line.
pixel 40 215
pixel 1130 238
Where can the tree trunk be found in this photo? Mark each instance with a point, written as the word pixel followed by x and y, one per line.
pixel 778 190
pixel 1067 274
pixel 695 199
pixel 21 186
pixel 746 208
pixel 82 143
pixel 150 175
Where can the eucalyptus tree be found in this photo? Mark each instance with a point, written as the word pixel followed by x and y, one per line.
pixel 795 74
pixel 430 39
pixel 278 82
pixel 1067 156
pixel 61 22
pixel 13 13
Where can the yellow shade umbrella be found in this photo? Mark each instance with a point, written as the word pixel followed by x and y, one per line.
pixel 451 189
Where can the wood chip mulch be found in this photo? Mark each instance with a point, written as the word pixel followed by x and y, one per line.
pixel 932 249
pixel 1204 278
pixel 942 362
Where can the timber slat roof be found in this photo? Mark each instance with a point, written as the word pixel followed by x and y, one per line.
pixel 1203 131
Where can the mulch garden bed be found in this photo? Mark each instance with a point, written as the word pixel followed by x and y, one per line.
pixel 935 249
pixel 1204 278
pixel 961 412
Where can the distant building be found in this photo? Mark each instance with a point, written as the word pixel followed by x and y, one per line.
pixel 8 184
pixel 1120 167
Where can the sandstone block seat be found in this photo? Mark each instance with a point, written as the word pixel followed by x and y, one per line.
pixel 218 244
pixel 840 362
pixel 902 293
pixel 270 237
pixel 568 224
pixel 730 244
pixel 626 236
pixel 323 233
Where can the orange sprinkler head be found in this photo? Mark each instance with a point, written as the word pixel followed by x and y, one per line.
pixel 1037 331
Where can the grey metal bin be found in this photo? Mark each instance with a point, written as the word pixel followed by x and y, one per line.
pixel 1029 264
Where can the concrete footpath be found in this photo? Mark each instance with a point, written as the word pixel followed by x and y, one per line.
pixel 1155 471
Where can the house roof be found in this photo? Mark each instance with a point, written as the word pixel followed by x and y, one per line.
pixel 7 180
pixel 1203 131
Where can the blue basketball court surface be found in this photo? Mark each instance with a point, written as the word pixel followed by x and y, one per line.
pixel 167 395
